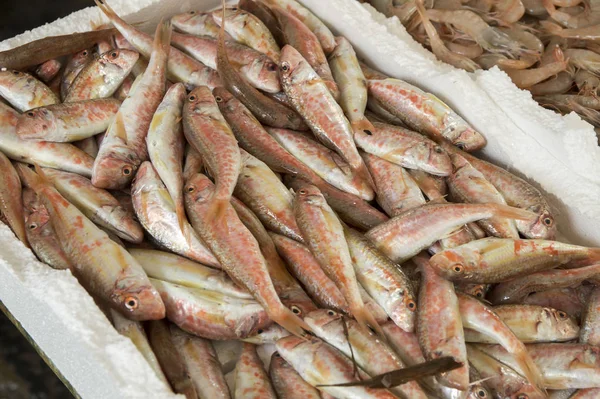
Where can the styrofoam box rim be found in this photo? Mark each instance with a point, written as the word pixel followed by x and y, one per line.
pixel 559 154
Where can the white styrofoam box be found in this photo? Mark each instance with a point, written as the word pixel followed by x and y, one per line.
pixel 559 154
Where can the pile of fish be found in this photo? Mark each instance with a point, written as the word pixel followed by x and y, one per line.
pixel 224 180
pixel 549 47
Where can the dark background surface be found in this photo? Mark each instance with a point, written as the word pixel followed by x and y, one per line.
pixel 23 374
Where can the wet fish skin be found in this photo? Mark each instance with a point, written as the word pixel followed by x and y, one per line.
pixel 590 327
pixel 287 382
pixel 251 379
pixel 102 76
pixel 23 91
pixel 196 23
pixel 262 11
pixel 75 64
pixel 202 364
pixel 572 301
pixel 155 210
pixel 269 335
pixel 11 200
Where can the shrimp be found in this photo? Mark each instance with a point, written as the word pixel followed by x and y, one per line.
pixel 528 78
pixel 557 84
pixel 471 51
pixel 581 20
pixel 586 33
pixel 509 11
pixel 587 82
pixel 583 59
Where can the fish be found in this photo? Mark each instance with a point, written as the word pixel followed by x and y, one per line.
pixel 102 266
pixel 532 324
pixel 251 379
pixel 258 69
pixel 135 332
pixel 11 200
pixel 439 324
pixel 481 318
pixel 102 76
pixel 413 230
pixel 196 23
pixel 270 335
pixel 320 364
pixel 72 68
pixel 405 148
pixel 159 336
pixel 202 364
pixel 324 162
pixel 396 189
pixel 311 98
pixel 211 314
pixel 324 235
pixel 40 233
pixel 383 280
pixel 166 144
pixel 124 147
pixel 207 131
pixel 259 188
pixel 286 381
pixel 371 354
pixel 425 113
pixel 156 211
pixel 590 330
pixel 298 36
pixel 181 67
pixel 572 301
pixel 248 30
pixel 67 122
pixel 23 91
pixel 495 260
pixel 238 252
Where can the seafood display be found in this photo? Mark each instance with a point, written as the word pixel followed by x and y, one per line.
pixel 241 178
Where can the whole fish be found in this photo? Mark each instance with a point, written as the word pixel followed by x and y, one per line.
pixel 135 332
pixel 196 23
pixel 102 266
pixel 207 131
pixel 287 382
pixel 324 235
pixel 211 314
pixel 590 325
pixel 502 380
pixel 75 64
pixel 68 121
pixel 289 291
pixel 181 67
pixel 259 188
pixel 182 271
pixel 479 317
pixel 405 148
pixel 468 185
pixel 166 143
pixel 411 231
pixel 383 280
pixel 202 364
pixel 396 190
pixel 311 98
pixel 563 365
pixel 351 83
pixel 313 23
pixel 324 162
pixel 514 291
pixel 266 110
pixel 269 335
pixel 439 325
pixel 102 76
pixel 155 210
pixel 40 233
pixel 572 301
pixel 531 324
pixel 96 204
pixel 425 113
pixel 11 200
pixel 251 379
pixel 372 355
pixel 124 147
pixel 238 251
pixel 256 67
pixel 248 30
pixel 319 363
pixel 494 260
pixel 297 35
pixel 159 336
pixel 23 91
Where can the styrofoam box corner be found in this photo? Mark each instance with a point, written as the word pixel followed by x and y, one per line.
pixel 558 154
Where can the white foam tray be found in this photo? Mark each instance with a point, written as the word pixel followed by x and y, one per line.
pixel 559 154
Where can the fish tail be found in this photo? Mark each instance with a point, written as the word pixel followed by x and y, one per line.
pixel 364 317
pixel 162 37
pixel 29 178
pixel 362 125
pixel 217 210
pixel 509 212
pixel 292 323
pixel 363 172
pixel 108 11
pixel 529 368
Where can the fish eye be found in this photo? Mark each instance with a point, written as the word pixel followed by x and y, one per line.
pixel 562 315
pixel 479 294
pixel 285 66
pixel 523 396
pixel 260 331
pixel 219 99
pixel 114 54
pixel 368 132
pixel 458 268
pixel 548 221
pixel 302 191
pixel 127 170
pixel 30 114
pixel 481 393
pixel 411 304
pixel 192 12
pixel 461 146
pixel 16 73
pixel 331 313
pixel 277 354
pixel 271 67
pixel 438 149
pixel 190 189
pixel 85 52
pixel 192 97
pixel 32 226
pixel 296 309
pixel 131 303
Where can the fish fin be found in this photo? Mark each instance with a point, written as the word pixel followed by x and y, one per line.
pixel 362 124
pixel 363 172
pixel 292 323
pixel 340 163
pixel 510 212
pixel 119 128
pixel 106 9
pixel 217 211
pixel 181 218
pixel 529 368
pixel 27 176
pixel 364 317
pixel 162 37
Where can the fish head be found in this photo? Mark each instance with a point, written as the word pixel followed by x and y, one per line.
pixel 123 221
pixel 263 72
pixel 402 308
pixel 115 170
pixel 36 221
pixel 121 59
pixel 81 58
pixel 199 100
pixel 433 159
pixel 478 391
pixel 223 97
pixel 138 299
pixel 542 226
pixel 233 16
pixel 181 20
pixel 269 335
pixel 198 188
pixel 12 79
pixel 320 319
pixel 37 123
pixel 293 68
pixel 468 139
pixel 311 195
pixel 31 202
pixel 456 264
pixel 555 322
